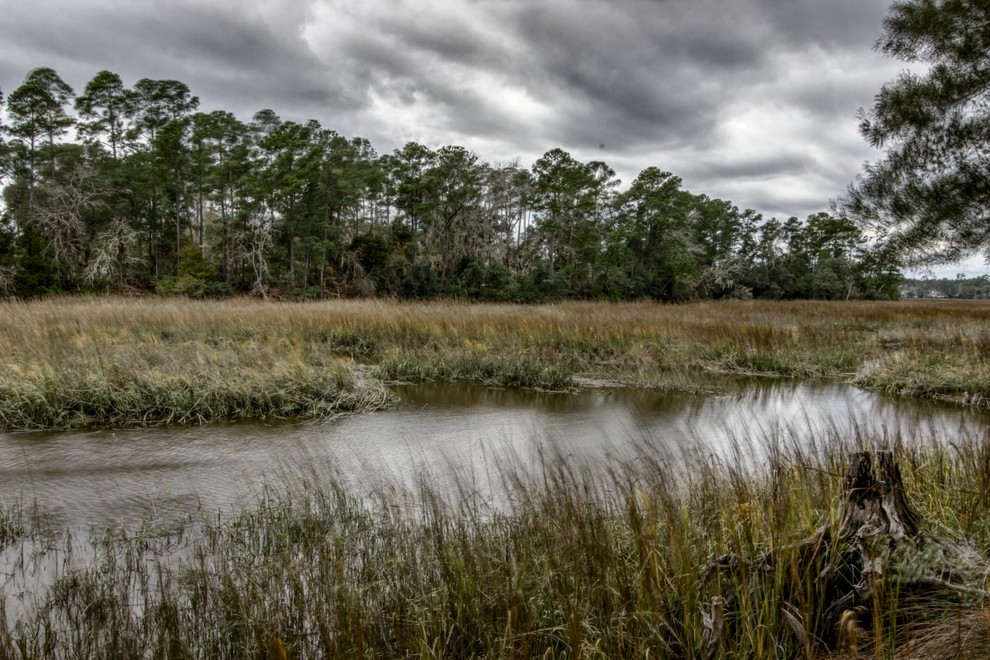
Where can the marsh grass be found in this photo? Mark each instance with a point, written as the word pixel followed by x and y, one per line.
pixel 12 525
pixel 499 370
pixel 74 362
pixel 587 561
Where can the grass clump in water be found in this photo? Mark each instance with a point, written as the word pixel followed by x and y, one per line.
pixel 221 387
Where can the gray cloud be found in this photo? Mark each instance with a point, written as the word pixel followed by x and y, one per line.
pixel 748 100
pixel 762 167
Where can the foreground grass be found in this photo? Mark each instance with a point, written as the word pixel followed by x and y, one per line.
pixel 111 361
pixel 594 563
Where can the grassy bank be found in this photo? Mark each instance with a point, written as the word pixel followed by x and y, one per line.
pixel 112 361
pixel 582 564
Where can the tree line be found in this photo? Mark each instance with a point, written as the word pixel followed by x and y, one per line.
pixel 133 188
pixel 963 287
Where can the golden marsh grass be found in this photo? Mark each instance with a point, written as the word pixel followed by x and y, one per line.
pixel 117 361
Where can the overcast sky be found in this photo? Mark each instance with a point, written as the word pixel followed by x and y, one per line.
pixel 752 101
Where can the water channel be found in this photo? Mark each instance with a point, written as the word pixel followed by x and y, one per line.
pixel 443 431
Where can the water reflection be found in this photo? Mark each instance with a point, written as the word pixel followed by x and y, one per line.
pixel 449 431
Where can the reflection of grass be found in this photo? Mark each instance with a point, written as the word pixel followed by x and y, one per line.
pixel 77 361
pixel 581 564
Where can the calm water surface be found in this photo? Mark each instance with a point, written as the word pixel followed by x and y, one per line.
pixel 163 474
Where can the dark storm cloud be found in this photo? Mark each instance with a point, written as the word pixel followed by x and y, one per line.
pixel 446 38
pixel 638 76
pixel 230 55
pixel 664 72
pixel 762 167
pixel 837 23
pixel 748 100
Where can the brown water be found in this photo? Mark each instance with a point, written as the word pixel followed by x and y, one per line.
pixel 440 430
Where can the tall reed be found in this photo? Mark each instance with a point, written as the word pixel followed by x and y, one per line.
pixel 578 560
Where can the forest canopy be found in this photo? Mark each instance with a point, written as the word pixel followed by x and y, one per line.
pixel 132 188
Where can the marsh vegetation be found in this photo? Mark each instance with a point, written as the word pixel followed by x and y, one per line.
pixel 611 559
pixel 76 362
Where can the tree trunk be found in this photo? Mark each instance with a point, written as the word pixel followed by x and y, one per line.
pixel 875 579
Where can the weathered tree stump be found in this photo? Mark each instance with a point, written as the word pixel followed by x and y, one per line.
pixel 874 575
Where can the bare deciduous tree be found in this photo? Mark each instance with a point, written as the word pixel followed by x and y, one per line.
pixel 61 209
pixel 6 280
pixel 252 245
pixel 114 250
pixel 722 278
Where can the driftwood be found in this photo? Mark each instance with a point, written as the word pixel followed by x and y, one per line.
pixel 875 574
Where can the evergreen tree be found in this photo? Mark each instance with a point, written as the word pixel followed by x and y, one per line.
pixel 105 106
pixel 929 198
